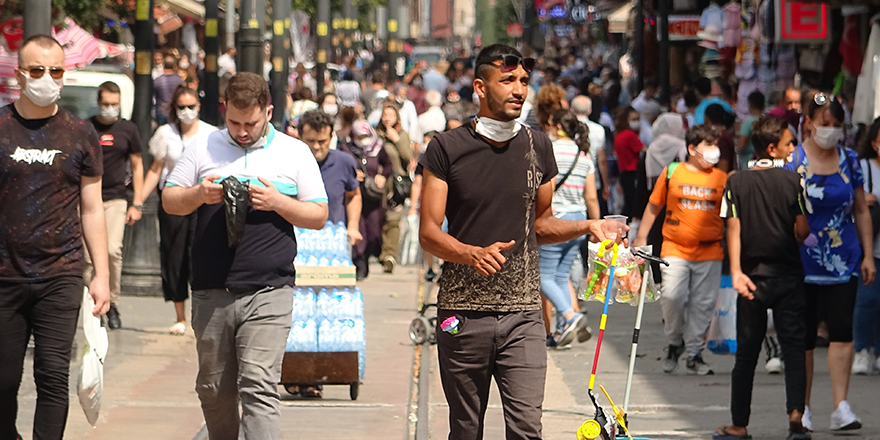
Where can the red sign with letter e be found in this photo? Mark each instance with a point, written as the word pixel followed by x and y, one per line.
pixel 801 22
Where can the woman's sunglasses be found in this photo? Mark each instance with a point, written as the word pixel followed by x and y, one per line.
pixel 510 62
pixel 37 72
pixel 821 99
pixel 184 107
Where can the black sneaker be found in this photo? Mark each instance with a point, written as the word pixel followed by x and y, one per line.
pixel 551 341
pixel 430 275
pixel 695 365
pixel 113 320
pixel 673 353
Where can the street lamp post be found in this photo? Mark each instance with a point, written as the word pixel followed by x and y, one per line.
pixel 280 56
pixel 323 42
pixel 211 106
pixel 141 266
pixel 37 18
pixel 253 18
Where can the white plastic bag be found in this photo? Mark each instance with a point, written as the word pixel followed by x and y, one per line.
pixel 722 332
pixel 410 249
pixel 90 383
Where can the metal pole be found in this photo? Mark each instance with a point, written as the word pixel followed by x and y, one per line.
pixel 253 17
pixel 230 23
pixel 663 23
pixel 336 38
pixel 280 56
pixel 211 105
pixel 37 18
pixel 349 17
pixel 639 47
pixel 394 44
pixel 323 41
pixel 141 267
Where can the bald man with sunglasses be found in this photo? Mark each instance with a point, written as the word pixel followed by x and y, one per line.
pixel 493 178
pixel 51 164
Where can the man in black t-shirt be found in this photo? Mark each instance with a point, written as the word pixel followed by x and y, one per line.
pixel 51 199
pixel 765 264
pixel 121 146
pixel 493 179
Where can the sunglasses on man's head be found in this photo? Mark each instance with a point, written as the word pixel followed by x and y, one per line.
pixel 37 72
pixel 510 62
pixel 184 107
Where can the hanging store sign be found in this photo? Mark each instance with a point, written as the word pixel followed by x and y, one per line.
pixel 683 27
pixel 801 22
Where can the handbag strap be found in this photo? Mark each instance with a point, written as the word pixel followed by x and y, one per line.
pixel 565 177
pixel 870 177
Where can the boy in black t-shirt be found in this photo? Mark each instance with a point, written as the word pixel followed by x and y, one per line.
pixel 766 223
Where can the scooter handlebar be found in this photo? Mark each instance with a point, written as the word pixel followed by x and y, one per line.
pixel 650 257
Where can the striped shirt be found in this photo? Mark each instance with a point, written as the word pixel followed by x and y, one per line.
pixel 570 197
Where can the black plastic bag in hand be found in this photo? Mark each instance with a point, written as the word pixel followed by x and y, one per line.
pixel 235 196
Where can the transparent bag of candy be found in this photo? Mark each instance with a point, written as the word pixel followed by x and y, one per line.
pixel 630 272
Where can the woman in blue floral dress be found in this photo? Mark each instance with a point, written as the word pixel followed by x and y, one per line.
pixel 832 255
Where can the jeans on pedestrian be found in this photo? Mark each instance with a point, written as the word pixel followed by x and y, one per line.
pixel 866 319
pixel 509 347
pixel 690 290
pixel 240 339
pixel 785 295
pixel 48 310
pixel 555 262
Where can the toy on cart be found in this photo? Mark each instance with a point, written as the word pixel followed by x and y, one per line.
pixel 632 268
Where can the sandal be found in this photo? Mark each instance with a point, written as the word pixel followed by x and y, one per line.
pixel 311 392
pixel 178 329
pixel 722 434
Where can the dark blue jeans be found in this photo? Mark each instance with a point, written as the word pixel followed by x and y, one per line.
pixel 866 319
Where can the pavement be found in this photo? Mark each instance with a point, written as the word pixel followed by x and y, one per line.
pixel 150 376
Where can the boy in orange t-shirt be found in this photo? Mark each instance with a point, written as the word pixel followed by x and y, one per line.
pixel 692 193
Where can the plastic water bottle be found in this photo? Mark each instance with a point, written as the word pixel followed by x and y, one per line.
pixel 326 341
pixel 323 260
pixel 310 337
pixel 360 345
pixel 340 240
pixel 357 304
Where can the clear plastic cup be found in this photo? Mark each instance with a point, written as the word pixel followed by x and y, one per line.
pixel 613 224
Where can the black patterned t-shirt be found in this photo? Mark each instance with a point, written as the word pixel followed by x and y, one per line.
pixel 491 198
pixel 42 162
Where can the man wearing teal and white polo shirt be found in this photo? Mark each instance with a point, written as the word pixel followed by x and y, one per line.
pixel 242 296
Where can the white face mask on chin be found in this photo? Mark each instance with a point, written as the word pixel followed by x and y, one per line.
pixel 42 91
pixel 496 130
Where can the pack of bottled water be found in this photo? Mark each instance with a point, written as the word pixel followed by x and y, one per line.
pixel 303 336
pixel 326 247
pixel 330 320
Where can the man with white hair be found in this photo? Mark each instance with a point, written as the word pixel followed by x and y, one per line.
pixel 582 106
pixel 433 119
pixel 650 111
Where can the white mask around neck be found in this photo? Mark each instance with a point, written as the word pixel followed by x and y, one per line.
pixel 496 130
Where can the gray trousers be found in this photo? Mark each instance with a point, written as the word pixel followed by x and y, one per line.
pixel 511 347
pixel 690 291
pixel 240 339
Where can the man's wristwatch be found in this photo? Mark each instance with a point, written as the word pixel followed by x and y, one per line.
pixel 139 207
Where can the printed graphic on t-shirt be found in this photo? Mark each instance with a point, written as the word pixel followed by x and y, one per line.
pixel 107 140
pixel 698 198
pixel 29 156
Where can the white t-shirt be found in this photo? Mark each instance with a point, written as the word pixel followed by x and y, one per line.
pixel 225 64
pixel 570 197
pixel 286 162
pixel 870 166
pixel 168 146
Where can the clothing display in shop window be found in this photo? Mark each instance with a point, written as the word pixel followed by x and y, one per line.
pixel 713 16
pixel 867 104
pixel 850 45
pixel 732 25
pixel 786 65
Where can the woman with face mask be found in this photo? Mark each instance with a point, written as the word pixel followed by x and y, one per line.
pixel 374 170
pixel 832 255
pixel 627 147
pixel 400 151
pixel 183 130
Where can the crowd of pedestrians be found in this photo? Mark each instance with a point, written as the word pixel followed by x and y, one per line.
pixel 510 163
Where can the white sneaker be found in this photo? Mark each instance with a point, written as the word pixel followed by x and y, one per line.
pixel 774 366
pixel 862 363
pixel 805 420
pixel 843 419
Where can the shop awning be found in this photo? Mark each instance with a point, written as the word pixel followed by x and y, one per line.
pixel 618 21
pixel 187 8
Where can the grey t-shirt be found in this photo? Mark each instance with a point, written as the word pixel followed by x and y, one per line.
pixel 491 198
